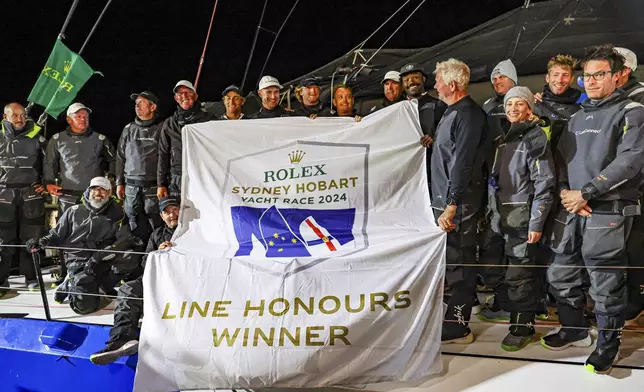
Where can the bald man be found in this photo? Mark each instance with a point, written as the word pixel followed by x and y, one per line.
pixel 22 206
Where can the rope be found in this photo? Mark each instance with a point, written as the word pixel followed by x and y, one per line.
pixel 473 265
pixel 391 36
pixel 270 51
pixel 27 291
pixel 542 325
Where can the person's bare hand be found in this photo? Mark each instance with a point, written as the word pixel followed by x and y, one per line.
pixel 426 141
pixel 446 219
pixel 534 237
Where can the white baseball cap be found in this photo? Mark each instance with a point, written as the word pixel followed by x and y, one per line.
pixel 75 107
pixel 269 81
pixel 391 75
pixel 630 58
pixel 101 182
pixel 184 83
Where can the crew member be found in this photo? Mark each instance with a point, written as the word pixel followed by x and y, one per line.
pixel 392 91
pixel 269 92
pixel 96 226
pixel 22 206
pixel 136 163
pixel 124 335
pixel 600 199
pixel 457 167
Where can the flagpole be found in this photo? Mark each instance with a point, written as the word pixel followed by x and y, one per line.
pixel 94 28
pixel 61 35
pixel 203 54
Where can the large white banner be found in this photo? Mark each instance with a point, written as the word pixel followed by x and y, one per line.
pixel 307 255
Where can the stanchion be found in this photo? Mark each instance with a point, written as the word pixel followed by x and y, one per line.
pixel 43 293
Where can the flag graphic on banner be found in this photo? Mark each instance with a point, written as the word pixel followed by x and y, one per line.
pixel 64 74
pixel 292 232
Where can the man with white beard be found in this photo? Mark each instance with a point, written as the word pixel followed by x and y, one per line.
pixel 95 224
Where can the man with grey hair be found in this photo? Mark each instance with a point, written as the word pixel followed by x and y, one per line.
pixel 22 206
pixel 96 223
pixel 458 181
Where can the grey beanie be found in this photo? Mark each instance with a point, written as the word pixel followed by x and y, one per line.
pixel 521 92
pixel 506 68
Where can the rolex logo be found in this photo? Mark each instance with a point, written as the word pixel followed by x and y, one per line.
pixel 296 156
pixel 68 66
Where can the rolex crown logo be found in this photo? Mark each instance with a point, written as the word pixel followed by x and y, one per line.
pixel 67 66
pixel 296 156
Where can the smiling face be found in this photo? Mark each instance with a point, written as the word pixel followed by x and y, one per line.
pixel 310 95
pixel 343 101
pixel 233 102
pixel 170 216
pixel 392 90
pixel 599 81
pixel 270 97
pixel 185 97
pixel 79 121
pixel 516 110
pixel 414 84
pixel 16 115
pixel 559 79
pixel 502 84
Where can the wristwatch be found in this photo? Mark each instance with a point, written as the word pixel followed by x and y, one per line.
pixel 450 201
pixel 586 193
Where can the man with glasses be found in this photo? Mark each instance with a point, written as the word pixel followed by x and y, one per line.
pixel 188 111
pixel 233 101
pixel 600 200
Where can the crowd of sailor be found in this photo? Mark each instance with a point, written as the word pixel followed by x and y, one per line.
pixel 551 178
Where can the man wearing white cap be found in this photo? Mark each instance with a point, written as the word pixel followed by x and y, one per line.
pixel 392 90
pixel 75 156
pixel 269 92
pixel 627 82
pixel 95 223
pixel 635 247
pixel 189 111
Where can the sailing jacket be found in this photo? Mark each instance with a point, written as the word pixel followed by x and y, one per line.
pixel 301 110
pixel 384 103
pixel 634 89
pixel 278 111
pixel 76 158
pixel 460 145
pixel 498 123
pixel 602 151
pixel 170 141
pixel 137 153
pixel 83 226
pixel 21 155
pixel 430 112
pixel 558 109
pixel 522 182
pixel 159 236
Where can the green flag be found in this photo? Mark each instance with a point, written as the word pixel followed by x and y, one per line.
pixel 61 79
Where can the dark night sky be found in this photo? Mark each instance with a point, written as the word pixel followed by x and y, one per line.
pixel 145 44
